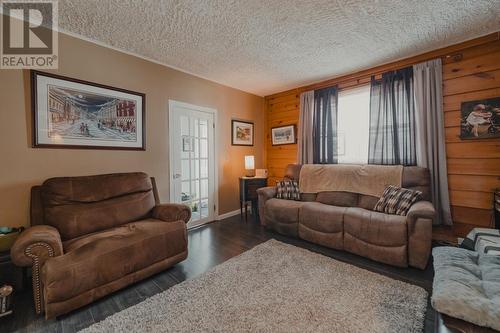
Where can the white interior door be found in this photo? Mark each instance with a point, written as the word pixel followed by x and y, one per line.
pixel 192 160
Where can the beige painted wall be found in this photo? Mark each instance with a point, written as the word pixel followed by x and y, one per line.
pixel 23 166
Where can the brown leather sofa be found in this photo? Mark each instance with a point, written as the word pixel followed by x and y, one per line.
pixel 93 235
pixel 346 221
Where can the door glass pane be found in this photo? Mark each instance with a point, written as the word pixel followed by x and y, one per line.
pixel 196 148
pixel 195 127
pixel 203 129
pixel 186 192
pixel 204 208
pixel 185 169
pixel 203 148
pixel 204 188
pixel 195 210
pixel 184 125
pixel 195 189
pixel 204 168
pixel 195 169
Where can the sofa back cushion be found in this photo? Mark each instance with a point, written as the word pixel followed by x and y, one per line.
pixel 77 206
pixel 414 178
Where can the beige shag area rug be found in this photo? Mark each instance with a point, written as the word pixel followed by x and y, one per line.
pixel 276 287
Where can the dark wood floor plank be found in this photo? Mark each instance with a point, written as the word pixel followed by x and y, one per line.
pixel 209 246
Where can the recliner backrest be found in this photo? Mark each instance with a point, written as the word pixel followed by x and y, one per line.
pixel 77 206
pixel 415 178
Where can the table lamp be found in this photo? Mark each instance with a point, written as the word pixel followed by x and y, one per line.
pixel 250 165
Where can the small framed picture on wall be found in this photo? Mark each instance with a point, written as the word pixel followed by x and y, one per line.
pixel 480 119
pixel 242 133
pixel 284 135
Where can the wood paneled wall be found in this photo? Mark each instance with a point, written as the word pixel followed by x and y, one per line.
pixel 471 70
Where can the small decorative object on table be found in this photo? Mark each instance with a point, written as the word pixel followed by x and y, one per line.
pixel 9 273
pixel 250 166
pixel 6 300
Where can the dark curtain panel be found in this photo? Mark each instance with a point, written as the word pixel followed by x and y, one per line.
pixel 325 126
pixel 392 119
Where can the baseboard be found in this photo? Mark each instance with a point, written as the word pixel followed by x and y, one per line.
pixel 233 213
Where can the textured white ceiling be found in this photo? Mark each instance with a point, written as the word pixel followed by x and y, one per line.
pixel 267 46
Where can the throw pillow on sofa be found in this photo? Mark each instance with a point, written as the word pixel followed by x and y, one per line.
pixel 288 190
pixel 397 200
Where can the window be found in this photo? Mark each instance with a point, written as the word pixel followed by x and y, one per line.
pixel 353 125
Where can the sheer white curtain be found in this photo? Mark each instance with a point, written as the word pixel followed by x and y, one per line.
pixel 431 153
pixel 305 152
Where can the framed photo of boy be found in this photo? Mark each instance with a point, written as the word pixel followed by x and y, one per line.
pixel 284 135
pixel 241 133
pixel 480 119
pixel 71 113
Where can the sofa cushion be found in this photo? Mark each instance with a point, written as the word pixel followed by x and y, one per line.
pixel 284 211
pixel 418 179
pixel 467 285
pixel 283 216
pixel 322 224
pixel 77 206
pixel 377 236
pixel 375 228
pixel 103 257
pixel 321 217
pixel 367 201
pixel 342 199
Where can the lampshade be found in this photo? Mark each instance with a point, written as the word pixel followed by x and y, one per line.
pixel 249 162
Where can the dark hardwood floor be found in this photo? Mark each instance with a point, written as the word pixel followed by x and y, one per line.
pixel 209 245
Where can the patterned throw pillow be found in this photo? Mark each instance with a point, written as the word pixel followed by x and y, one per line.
pixel 397 200
pixel 287 189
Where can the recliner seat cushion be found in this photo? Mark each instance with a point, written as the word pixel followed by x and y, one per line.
pixel 322 224
pixel 283 215
pixel 103 257
pixel 77 206
pixel 375 235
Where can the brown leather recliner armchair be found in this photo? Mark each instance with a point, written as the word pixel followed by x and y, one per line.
pixel 93 235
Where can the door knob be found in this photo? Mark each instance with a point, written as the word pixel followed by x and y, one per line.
pixel 177 175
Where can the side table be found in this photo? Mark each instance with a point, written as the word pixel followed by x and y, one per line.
pixel 11 274
pixel 248 192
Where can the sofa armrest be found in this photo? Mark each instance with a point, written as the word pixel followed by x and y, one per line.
pixel 40 242
pixel 420 209
pixel 33 248
pixel 265 193
pixel 419 223
pixel 172 212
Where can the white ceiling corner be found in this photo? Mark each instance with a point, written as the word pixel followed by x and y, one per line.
pixel 264 47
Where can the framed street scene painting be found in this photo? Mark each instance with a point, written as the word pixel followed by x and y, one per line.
pixel 242 133
pixel 71 113
pixel 284 135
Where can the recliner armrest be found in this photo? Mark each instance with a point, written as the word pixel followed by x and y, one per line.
pixel 33 248
pixel 419 224
pixel 172 212
pixel 40 242
pixel 420 209
pixel 267 192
